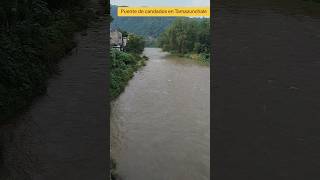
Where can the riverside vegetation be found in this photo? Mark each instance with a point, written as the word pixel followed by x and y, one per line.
pixel 34 35
pixel 125 63
pixel 122 67
pixel 188 37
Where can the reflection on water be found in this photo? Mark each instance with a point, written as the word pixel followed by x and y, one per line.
pixel 160 124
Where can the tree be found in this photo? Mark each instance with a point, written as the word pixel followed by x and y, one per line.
pixel 186 35
pixel 135 44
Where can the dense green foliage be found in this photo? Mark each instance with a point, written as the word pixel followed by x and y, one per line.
pixel 187 35
pixel 123 66
pixel 34 35
pixel 144 26
pixel 135 44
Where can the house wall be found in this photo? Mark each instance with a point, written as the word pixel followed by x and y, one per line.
pixel 116 38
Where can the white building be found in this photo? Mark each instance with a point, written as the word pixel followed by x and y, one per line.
pixel 116 39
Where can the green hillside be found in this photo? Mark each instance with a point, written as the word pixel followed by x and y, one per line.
pixel 150 27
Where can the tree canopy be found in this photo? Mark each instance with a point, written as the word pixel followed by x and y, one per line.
pixel 135 44
pixel 187 35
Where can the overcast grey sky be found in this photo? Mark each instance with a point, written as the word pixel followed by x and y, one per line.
pixel 160 2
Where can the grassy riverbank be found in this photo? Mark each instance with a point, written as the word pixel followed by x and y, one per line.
pixel 200 58
pixel 203 59
pixel 125 63
pixel 123 66
pixel 32 41
pixel 113 170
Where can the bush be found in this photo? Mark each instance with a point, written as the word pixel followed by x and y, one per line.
pixel 123 66
pixel 205 57
pixel 135 44
pixel 186 35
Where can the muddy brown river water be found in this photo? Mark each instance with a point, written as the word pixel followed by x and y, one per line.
pixel 161 124
pixel 266 107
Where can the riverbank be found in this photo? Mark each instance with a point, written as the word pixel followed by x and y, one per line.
pixel 113 170
pixel 202 59
pixel 199 58
pixel 123 67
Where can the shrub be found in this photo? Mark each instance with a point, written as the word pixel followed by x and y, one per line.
pixel 123 66
pixel 135 44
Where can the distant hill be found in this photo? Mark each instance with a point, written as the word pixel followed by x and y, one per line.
pixel 150 27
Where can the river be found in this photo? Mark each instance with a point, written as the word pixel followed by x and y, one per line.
pixel 161 122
